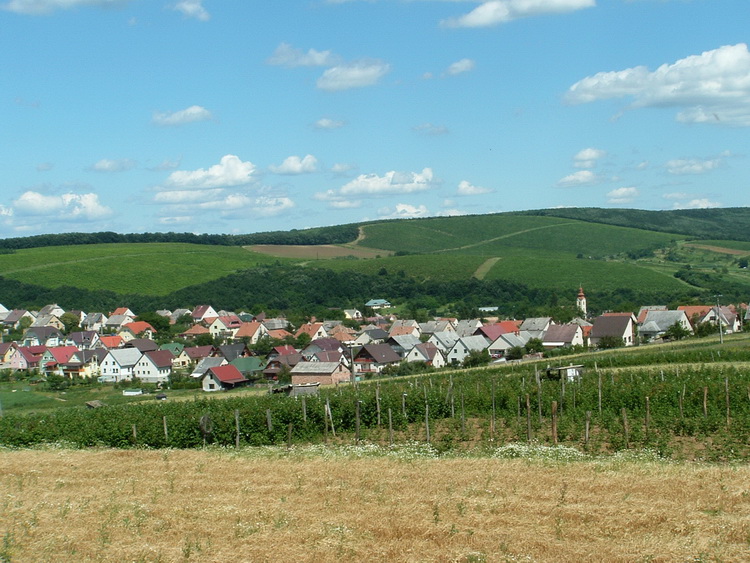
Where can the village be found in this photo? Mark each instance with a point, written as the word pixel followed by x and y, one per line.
pixel 223 350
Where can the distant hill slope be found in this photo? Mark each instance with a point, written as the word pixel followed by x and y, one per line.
pixel 730 223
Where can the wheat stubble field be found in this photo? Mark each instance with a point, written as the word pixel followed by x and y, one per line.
pixel 180 505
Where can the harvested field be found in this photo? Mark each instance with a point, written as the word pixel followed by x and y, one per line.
pixel 221 505
pixel 317 252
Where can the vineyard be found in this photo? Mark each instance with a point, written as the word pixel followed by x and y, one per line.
pixel 683 402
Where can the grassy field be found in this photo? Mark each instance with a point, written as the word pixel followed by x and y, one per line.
pixel 128 268
pixel 330 505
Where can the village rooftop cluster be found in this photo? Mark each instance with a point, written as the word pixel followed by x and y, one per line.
pixel 223 350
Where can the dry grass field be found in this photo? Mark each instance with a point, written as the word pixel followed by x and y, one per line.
pixel 317 252
pixel 173 505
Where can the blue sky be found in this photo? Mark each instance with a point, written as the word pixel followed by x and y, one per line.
pixel 230 116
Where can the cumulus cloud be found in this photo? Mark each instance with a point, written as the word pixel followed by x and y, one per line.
pixel 66 207
pixel 713 87
pixel 497 12
pixel 357 74
pixel 110 165
pixel 580 178
pixel 692 166
pixel 327 123
pixel 193 9
pixel 459 67
pixel 699 203
pixel 43 7
pixel 372 185
pixel 296 165
pixel 622 195
pixel 288 56
pixel 44 166
pixel 465 188
pixel 403 211
pixel 342 168
pixel 231 171
pixel 431 129
pixel 587 158
pixel 187 115
pixel 189 196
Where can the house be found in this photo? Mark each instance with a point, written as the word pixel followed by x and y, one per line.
pixel 137 329
pixel 656 322
pixel 27 358
pixel 222 378
pixel 119 365
pixel 84 340
pixel 353 314
pixel 116 322
pixel 414 331
pixel 464 346
pixel 42 336
pixel 372 336
pixel 94 321
pixel 124 311
pixel 613 327
pixel 251 332
pixel 111 342
pixel 444 340
pixel 427 353
pixel 431 327
pixel 730 320
pixel 53 359
pixel 142 344
pixel 225 327
pixel 372 359
pixel 154 366
pixel 197 353
pixel 324 373
pixel 202 312
pixel 12 320
pixel 85 363
pixel 280 364
pixel 250 367
pixel 504 342
pixel 537 326
pixel 194 332
pixel 322 345
pixel 7 349
pixel 313 330
pixel 48 321
pixel 402 344
pixel 467 327
pixel 206 364
pixel 376 304
pixel 233 351
pixel 181 359
pixel 563 336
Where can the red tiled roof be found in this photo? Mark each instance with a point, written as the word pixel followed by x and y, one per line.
pixel 227 374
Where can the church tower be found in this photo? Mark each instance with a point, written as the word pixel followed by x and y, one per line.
pixel 581 302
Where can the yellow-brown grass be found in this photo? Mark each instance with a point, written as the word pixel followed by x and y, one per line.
pixel 107 505
pixel 320 251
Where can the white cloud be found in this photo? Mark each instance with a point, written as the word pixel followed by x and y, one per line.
pixel 192 9
pixel 677 195
pixel 188 115
pixel 389 184
pixel 296 165
pixel 42 7
pixel 176 220
pixel 713 87
pixel 357 74
pixel 403 211
pixel 431 129
pixel 345 204
pixel 173 197
pixel 459 67
pixel 109 165
pixel 580 178
pixel 288 56
pixel 466 188
pixel 231 171
pixel 342 168
pixel 496 12
pixel 44 166
pixel 327 123
pixel 587 158
pixel 63 208
pixel 702 203
pixel 692 166
pixel 622 195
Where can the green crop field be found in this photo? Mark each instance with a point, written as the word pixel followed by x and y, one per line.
pixel 420 266
pixel 490 234
pixel 145 268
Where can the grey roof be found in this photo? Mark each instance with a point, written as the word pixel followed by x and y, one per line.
pixel 561 333
pixel 664 319
pixel 315 368
pixel 444 340
pixel 536 324
pixel 406 341
pixel 126 356
pixel 207 363
pixel 473 342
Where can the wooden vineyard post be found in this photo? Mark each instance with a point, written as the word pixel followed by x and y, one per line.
pixel 356 422
pixel 330 416
pixel 135 434
pixel 166 430
pixel 403 405
pixel 390 426
pixel 377 401
pixel 463 414
pixel 588 428
pixel 304 410
pixel 554 422
pixel 625 427
pixel 237 428
pixel 600 391
pixel 492 422
pixel 325 423
pixel 681 400
pixel 648 415
pixel 528 418
pixel 705 402
pixel 289 437
pixel 538 394
pixel 269 422
pixel 427 421
pixel 726 391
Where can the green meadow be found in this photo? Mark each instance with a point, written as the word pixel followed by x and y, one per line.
pixel 143 268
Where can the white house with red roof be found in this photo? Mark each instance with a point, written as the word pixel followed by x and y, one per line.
pixel 202 312
pixel 222 378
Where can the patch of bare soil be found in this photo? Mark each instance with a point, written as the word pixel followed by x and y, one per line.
pixel 317 252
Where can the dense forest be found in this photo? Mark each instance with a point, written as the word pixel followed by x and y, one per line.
pixel 338 234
